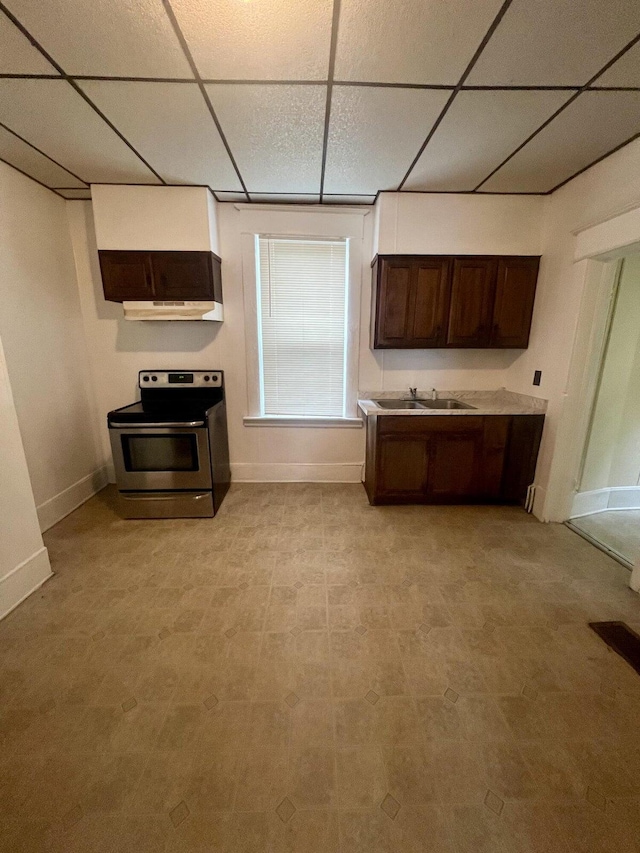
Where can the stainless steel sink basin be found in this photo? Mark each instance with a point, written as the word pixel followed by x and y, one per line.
pixel 399 404
pixel 445 403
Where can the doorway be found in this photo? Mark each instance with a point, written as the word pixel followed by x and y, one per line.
pixel 606 506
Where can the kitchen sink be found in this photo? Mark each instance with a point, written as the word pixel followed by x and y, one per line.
pixel 445 403
pixel 399 404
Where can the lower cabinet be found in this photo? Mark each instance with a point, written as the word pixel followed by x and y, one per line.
pixel 451 458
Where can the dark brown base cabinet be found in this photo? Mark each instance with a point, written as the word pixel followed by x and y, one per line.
pixel 160 276
pixel 432 301
pixel 451 459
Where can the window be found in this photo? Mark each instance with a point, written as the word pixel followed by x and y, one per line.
pixel 302 287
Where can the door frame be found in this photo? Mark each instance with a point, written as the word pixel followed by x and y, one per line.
pixel 598 251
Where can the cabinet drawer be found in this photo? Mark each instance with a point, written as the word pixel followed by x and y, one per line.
pixel 428 424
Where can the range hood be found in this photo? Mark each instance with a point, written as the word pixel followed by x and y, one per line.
pixel 173 311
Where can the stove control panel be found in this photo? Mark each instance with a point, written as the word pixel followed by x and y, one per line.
pixel 180 379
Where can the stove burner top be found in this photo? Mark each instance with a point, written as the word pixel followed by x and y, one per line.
pixel 171 396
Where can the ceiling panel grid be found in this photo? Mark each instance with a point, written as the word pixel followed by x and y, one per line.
pixel 317 100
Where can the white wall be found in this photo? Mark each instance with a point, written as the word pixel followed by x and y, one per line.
pixel 136 218
pixel 24 563
pixel 604 191
pixel 613 453
pixel 43 337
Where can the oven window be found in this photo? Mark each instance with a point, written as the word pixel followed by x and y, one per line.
pixel 160 452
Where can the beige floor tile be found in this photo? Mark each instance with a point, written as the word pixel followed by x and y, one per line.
pixel 263 780
pixel 312 777
pixel 410 779
pixel 475 829
pixel 422 830
pixel 304 832
pixel 360 777
pixel 365 831
pixel 396 721
pixel 306 672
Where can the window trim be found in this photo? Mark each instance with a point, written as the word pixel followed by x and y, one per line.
pixel 316 227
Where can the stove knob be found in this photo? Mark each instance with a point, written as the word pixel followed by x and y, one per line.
pixel 154 378
pixel 145 378
pixel 206 378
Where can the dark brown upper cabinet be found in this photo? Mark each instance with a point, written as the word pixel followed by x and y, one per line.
pixel 413 300
pixel 160 276
pixel 126 276
pixel 472 291
pixel 422 301
pixel 513 303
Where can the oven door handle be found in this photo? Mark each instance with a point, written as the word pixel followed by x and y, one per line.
pixel 159 424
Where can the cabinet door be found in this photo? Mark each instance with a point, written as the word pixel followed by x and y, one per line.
pixel 393 302
pixel 126 276
pixel 402 466
pixel 470 314
pixel 182 276
pixel 513 307
pixel 456 459
pixel 494 444
pixel 521 456
pixel 429 302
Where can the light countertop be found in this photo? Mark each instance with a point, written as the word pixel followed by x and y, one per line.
pixel 499 402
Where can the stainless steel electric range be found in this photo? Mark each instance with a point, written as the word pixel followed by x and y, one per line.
pixel 170 450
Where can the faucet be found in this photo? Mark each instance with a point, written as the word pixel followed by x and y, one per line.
pixel 413 393
pixel 434 394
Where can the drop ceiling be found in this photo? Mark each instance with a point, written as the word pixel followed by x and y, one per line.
pixel 310 101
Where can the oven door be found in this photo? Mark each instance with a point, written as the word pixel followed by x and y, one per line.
pixel 161 458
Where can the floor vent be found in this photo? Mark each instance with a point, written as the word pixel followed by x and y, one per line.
pixel 621 639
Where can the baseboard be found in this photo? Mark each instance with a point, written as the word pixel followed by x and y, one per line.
pixel 599 500
pixel 297 472
pixel 23 580
pixel 539 500
pixel 50 512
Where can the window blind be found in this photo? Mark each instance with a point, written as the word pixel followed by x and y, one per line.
pixel 302 294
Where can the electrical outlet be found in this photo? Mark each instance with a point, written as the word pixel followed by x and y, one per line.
pixel 537 377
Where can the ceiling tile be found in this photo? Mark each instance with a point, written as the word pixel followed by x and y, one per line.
pixel 595 123
pixel 285 198
pixel 170 125
pixel 375 133
pixel 265 40
pixel 17 153
pixel 50 115
pixel 127 39
pixel 275 134
pixel 625 72
pixel 479 130
pixel 555 42
pixel 410 41
pixel 348 199
pixel 82 195
pixel 17 54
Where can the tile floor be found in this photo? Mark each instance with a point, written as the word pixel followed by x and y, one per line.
pixel 615 529
pixel 306 673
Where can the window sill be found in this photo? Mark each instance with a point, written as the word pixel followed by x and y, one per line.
pixel 298 421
